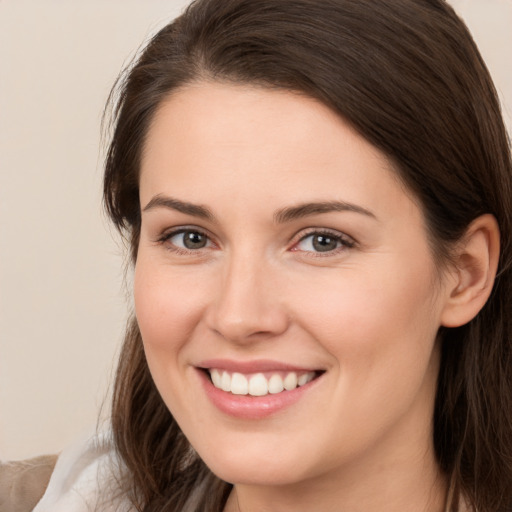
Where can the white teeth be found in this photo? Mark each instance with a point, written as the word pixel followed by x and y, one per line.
pixel 225 383
pixel 303 379
pixel 257 384
pixel 216 378
pixel 290 381
pixel 239 384
pixel 275 384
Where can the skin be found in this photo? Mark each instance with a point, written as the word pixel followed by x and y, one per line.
pixel 366 313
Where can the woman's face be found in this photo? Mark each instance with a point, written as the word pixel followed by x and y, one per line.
pixel 277 249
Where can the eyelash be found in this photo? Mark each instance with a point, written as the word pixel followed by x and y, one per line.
pixel 345 242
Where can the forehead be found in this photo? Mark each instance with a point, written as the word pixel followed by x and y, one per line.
pixel 213 140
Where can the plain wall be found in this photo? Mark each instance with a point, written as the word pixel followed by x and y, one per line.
pixel 62 299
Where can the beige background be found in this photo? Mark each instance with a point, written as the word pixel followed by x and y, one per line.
pixel 62 298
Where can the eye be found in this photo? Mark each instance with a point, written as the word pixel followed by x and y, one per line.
pixel 186 239
pixel 323 242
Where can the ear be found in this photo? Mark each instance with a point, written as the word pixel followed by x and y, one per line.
pixel 475 266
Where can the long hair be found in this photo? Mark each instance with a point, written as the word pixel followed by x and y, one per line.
pixel 406 75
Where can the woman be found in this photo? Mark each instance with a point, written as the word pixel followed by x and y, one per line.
pixel 317 197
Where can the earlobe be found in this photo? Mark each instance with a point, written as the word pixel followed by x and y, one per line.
pixel 475 268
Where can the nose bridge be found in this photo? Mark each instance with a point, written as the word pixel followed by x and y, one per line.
pixel 247 304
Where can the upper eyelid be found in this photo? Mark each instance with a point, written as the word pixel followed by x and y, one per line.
pixel 304 233
pixel 170 232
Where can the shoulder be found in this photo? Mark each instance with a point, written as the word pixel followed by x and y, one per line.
pixel 23 483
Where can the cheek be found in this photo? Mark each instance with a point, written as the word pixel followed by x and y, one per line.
pixel 167 306
pixel 374 321
pixel 380 332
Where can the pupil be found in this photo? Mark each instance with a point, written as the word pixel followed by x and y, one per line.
pixel 194 240
pixel 323 243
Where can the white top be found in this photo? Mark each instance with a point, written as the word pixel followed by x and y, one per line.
pixel 84 480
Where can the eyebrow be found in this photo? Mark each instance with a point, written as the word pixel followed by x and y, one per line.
pixel 305 210
pixel 160 201
pixel 280 217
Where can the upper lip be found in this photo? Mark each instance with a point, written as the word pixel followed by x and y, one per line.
pixel 256 366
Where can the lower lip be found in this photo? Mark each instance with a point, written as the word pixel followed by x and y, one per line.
pixel 253 407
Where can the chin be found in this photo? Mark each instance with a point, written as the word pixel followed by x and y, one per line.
pixel 254 466
pixel 254 474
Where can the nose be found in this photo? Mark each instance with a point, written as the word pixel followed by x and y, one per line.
pixel 247 305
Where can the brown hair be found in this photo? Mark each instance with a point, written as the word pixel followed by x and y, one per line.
pixel 408 77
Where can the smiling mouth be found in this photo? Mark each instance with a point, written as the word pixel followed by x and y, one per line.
pixel 260 384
